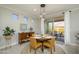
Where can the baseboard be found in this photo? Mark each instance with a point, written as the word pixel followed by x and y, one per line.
pixel 8 45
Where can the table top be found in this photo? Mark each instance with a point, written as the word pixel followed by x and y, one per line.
pixel 43 38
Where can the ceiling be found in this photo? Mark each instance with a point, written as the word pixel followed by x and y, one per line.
pixel 51 10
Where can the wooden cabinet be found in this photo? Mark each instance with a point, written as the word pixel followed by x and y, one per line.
pixel 24 36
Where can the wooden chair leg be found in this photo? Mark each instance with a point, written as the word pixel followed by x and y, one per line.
pixel 51 50
pixel 54 48
pixel 35 51
pixel 30 49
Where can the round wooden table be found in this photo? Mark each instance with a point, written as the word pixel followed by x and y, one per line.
pixel 42 40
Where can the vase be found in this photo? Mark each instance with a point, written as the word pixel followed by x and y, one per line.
pixel 8 37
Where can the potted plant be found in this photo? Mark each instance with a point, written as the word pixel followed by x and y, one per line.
pixel 42 35
pixel 8 33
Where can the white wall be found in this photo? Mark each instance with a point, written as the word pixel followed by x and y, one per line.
pixel 71 26
pixel 35 24
pixel 67 27
pixel 6 20
pixel 74 25
pixel 42 26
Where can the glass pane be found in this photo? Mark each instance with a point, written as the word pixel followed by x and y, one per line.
pixel 14 17
pixel 61 23
pixel 50 27
pixel 26 19
pixel 59 26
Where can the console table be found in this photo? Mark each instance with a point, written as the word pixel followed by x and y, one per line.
pixel 24 36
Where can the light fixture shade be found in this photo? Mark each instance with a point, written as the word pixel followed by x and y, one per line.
pixel 42 5
pixel 42 11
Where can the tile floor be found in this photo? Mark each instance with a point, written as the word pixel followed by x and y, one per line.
pixel 23 49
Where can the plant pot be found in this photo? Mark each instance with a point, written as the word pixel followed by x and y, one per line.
pixel 8 37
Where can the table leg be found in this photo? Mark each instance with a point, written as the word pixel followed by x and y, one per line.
pixel 42 47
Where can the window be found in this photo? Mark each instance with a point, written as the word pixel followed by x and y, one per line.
pixel 23 27
pixel 26 19
pixel 50 26
pixel 60 23
pixel 14 17
pixel 59 26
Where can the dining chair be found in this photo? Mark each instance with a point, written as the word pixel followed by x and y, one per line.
pixel 50 44
pixel 34 44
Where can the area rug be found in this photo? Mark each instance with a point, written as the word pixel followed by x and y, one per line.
pixel 58 50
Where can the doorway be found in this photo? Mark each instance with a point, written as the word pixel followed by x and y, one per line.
pixel 59 30
pixel 56 27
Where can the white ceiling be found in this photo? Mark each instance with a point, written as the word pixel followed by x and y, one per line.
pixel 51 9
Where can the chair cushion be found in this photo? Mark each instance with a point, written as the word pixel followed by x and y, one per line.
pixel 47 44
pixel 38 45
